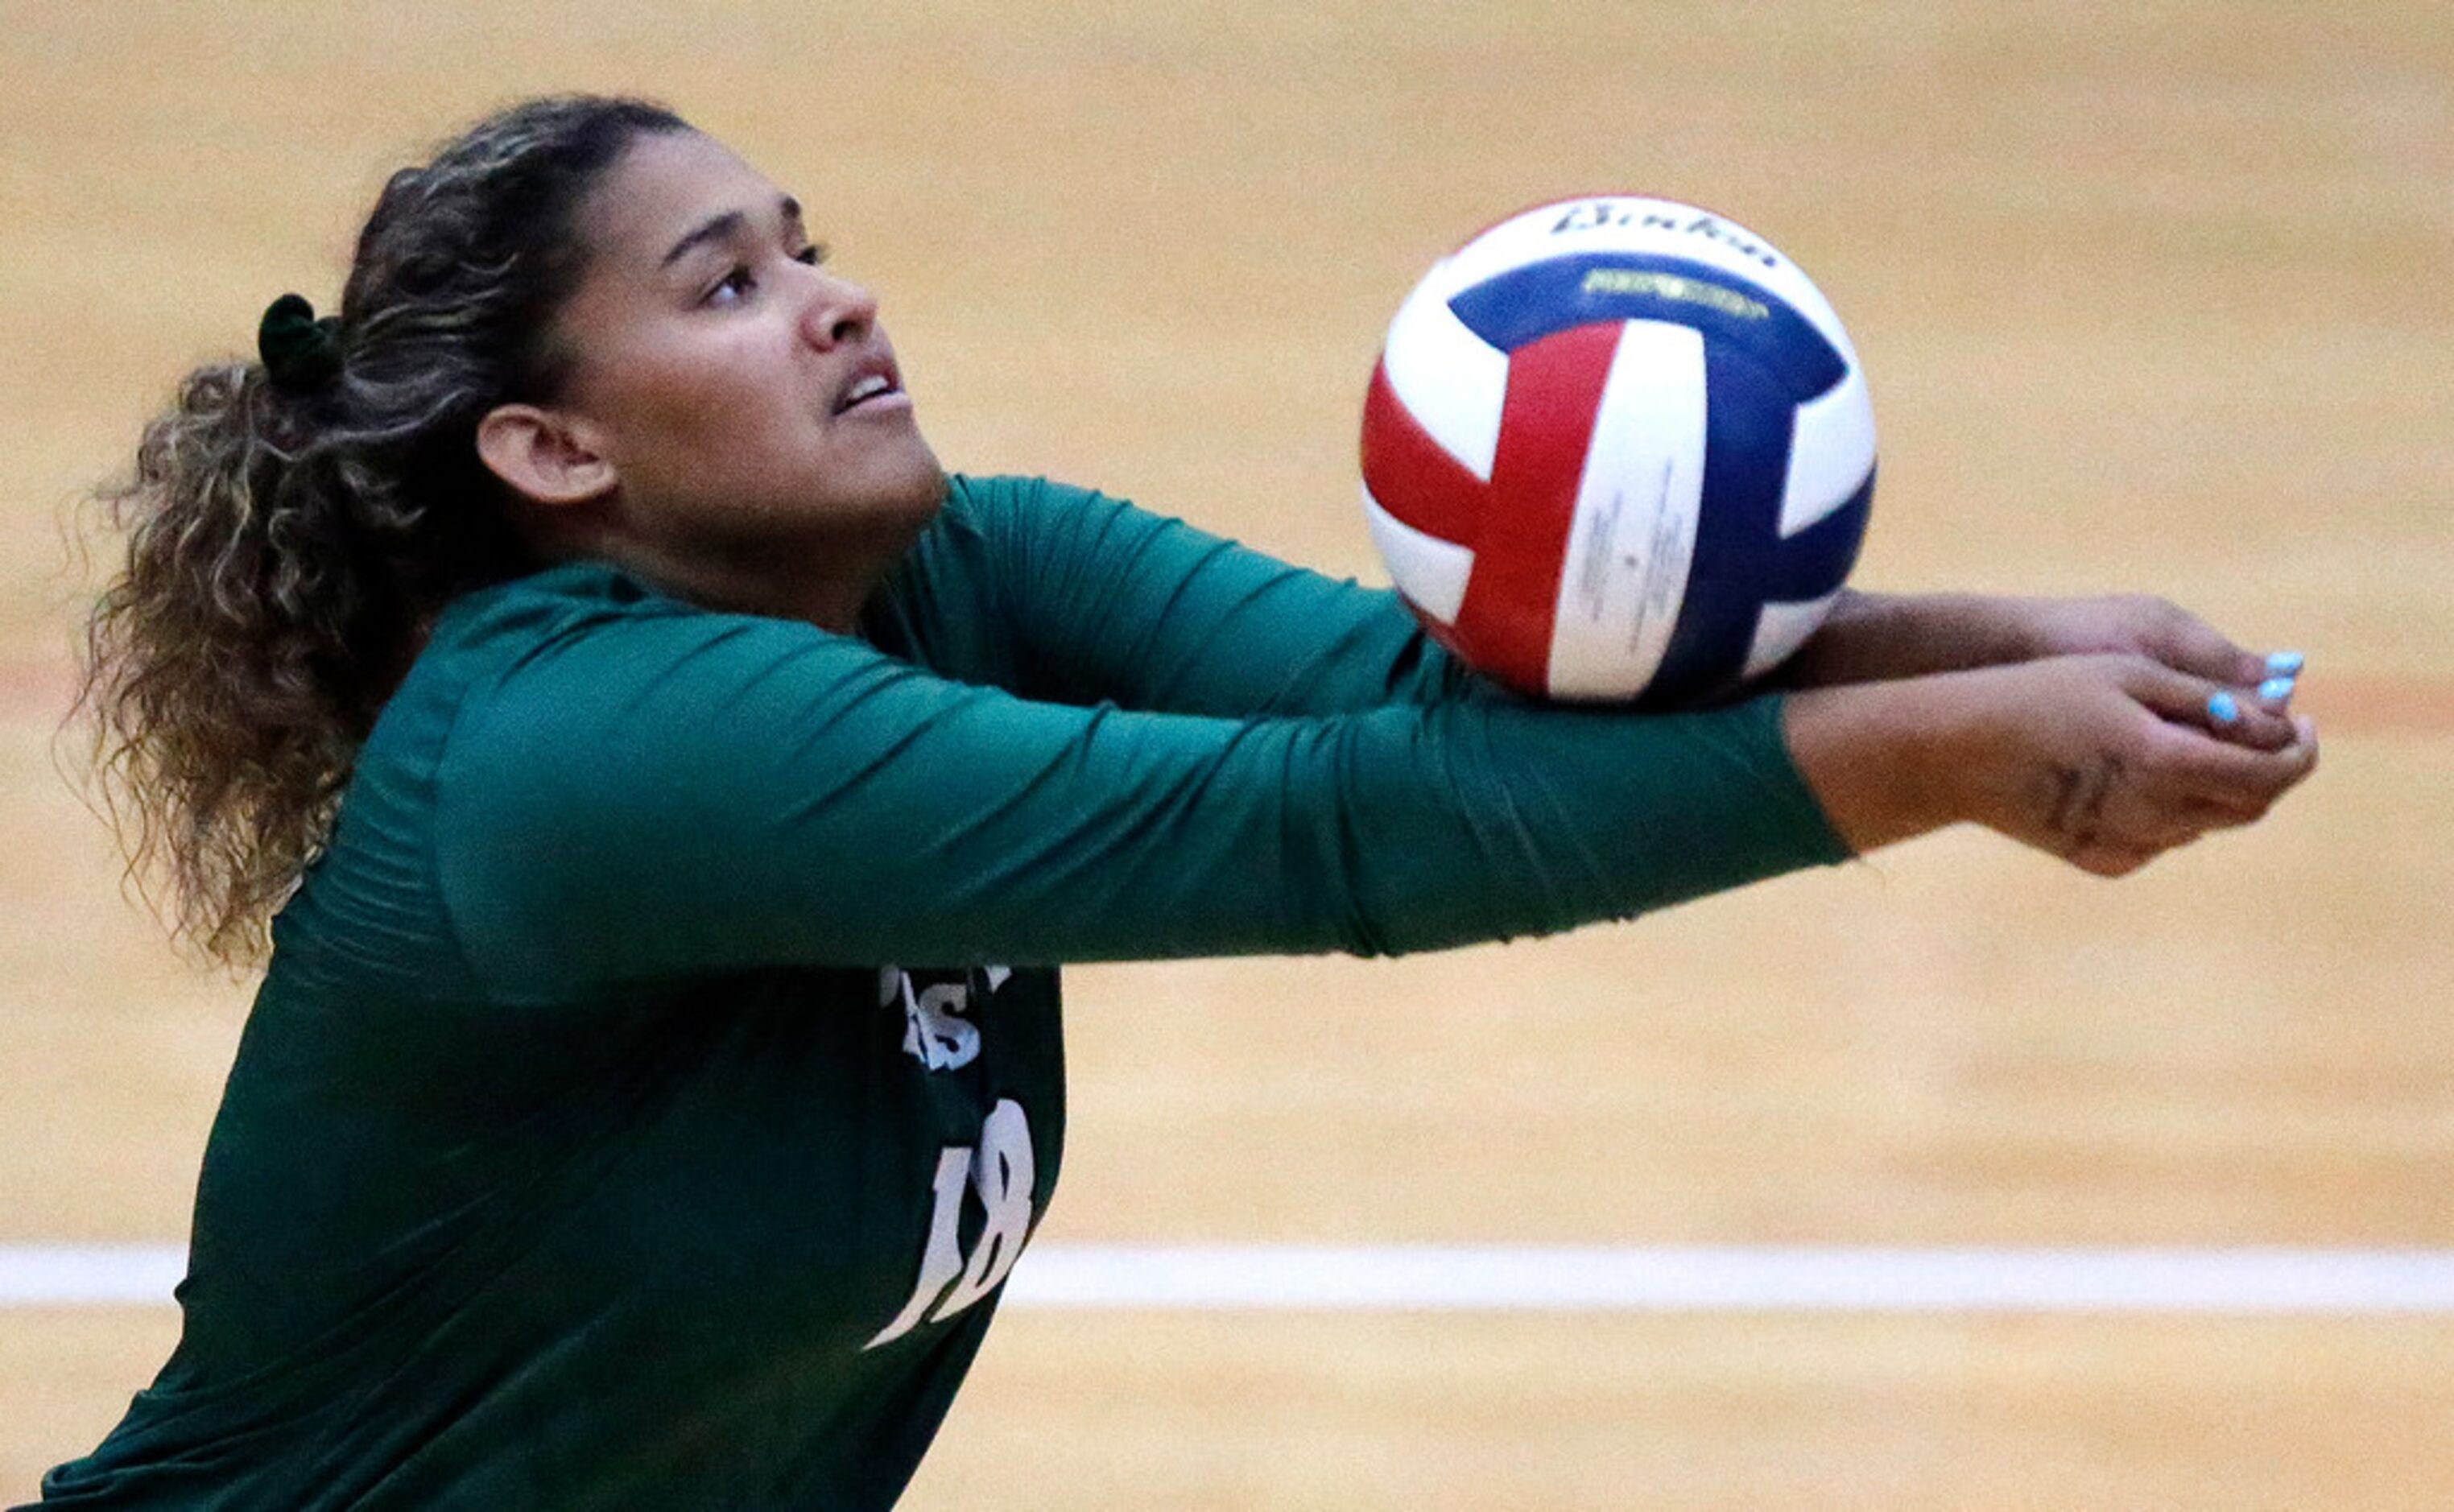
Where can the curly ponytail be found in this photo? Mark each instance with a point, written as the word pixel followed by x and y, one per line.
pixel 288 543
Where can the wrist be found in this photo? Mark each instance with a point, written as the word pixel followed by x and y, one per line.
pixel 1886 760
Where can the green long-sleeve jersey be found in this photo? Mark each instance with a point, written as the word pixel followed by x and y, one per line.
pixel 657 1075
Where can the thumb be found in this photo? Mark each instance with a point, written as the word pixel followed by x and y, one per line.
pixel 2190 644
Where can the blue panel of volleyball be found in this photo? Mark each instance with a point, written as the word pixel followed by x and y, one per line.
pixel 1618 448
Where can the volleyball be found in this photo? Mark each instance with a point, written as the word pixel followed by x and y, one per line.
pixel 1618 448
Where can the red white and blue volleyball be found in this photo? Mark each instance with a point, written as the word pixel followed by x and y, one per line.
pixel 1618 448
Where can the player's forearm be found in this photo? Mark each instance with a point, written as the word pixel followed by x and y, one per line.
pixel 1871 636
pixel 1522 819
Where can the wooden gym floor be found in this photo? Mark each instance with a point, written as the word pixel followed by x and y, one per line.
pixel 2151 297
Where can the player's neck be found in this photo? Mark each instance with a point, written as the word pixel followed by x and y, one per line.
pixel 822 580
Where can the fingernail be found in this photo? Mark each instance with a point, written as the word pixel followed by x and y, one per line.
pixel 2275 690
pixel 2283 663
pixel 2221 709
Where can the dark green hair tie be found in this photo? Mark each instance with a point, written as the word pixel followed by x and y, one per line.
pixel 301 353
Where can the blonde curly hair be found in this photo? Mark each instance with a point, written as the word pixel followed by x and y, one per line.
pixel 287 544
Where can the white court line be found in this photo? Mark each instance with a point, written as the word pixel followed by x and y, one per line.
pixel 1557 1279
pixel 1741 1279
pixel 89 1275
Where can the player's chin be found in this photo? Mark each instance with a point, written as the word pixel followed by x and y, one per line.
pixel 918 471
pixel 902 480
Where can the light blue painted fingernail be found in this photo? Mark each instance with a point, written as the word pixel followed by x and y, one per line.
pixel 2283 663
pixel 2221 709
pixel 2275 690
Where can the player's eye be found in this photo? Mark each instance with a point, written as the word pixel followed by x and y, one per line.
pixel 741 280
pixel 734 286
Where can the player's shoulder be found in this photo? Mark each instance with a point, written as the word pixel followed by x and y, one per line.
pixel 570 599
pixel 592 612
pixel 571 637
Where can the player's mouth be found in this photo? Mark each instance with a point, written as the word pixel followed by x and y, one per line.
pixel 874 385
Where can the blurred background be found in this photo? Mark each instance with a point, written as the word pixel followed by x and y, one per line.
pixel 2151 296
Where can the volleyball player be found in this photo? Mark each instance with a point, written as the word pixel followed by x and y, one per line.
pixel 666 796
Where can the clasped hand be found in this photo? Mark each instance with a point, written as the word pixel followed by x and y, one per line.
pixel 2104 730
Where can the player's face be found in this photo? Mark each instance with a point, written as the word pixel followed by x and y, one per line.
pixel 744 393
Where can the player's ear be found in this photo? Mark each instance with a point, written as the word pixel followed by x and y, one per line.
pixel 551 458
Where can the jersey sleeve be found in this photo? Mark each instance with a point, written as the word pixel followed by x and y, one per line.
pixel 1109 601
pixel 658 794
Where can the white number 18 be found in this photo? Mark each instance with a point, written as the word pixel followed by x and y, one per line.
pixel 1000 1171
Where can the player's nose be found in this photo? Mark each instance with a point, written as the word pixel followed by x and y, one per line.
pixel 837 311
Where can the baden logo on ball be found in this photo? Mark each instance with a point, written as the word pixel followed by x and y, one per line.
pixel 1618 448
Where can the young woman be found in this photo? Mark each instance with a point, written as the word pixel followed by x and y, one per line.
pixel 666 796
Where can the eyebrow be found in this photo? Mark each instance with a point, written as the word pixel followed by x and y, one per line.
pixel 723 226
